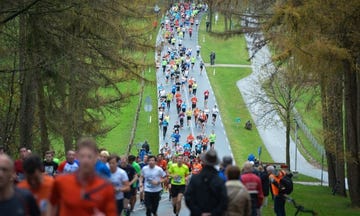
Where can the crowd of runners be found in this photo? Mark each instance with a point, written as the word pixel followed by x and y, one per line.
pixel 180 71
pixel 93 182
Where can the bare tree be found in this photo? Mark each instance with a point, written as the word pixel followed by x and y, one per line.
pixel 282 88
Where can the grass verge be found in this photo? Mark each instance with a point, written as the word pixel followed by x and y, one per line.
pixel 316 198
pixel 231 105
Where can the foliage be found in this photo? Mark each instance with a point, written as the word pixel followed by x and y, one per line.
pixel 69 51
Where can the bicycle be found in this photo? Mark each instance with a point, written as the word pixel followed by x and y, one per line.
pixel 299 208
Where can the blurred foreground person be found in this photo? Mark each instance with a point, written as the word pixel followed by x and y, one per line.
pixel 14 201
pixel 238 196
pixel 83 193
pixel 206 192
pixel 39 183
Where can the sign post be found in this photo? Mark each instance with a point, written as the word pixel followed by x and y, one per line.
pixel 148 106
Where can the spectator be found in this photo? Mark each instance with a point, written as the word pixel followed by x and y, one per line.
pixel 83 192
pixel 14 201
pixel 238 196
pixel 226 161
pixel 146 146
pixel 279 199
pixel 253 184
pixel 38 183
pixel 212 58
pixel 265 183
pixel 206 192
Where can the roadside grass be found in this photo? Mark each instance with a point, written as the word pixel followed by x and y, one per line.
pixel 312 118
pixel 231 105
pixel 228 51
pixel 230 101
pixel 315 198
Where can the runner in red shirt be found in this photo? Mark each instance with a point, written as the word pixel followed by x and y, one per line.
pixel 206 96
pixel 193 102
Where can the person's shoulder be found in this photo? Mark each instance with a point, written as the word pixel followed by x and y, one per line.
pixel 48 180
pixel 65 178
pixel 23 193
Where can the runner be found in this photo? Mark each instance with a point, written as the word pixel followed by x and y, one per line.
pixel 178 173
pixel 201 67
pixel 206 96
pixel 212 139
pixel 74 191
pixel 70 165
pixel 152 176
pixel 181 119
pixel 204 143
pixel 194 88
pixel 135 185
pixel 14 201
pixel 50 166
pixel 196 166
pixel 188 117
pixel 133 177
pixel 120 181
pixel 19 164
pixel 193 102
pixel 215 112
pixel 39 184
pixel 190 139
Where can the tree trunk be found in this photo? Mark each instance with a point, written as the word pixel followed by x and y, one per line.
pixel 288 128
pixel 352 131
pixel 329 149
pixel 336 127
pixel 27 102
pixel 225 22
pixel 44 135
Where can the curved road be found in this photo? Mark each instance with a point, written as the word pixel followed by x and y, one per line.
pixel 272 135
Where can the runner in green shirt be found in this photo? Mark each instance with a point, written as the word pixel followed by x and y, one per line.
pixel 178 173
pixel 212 139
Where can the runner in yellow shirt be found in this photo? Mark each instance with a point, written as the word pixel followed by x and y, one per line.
pixel 178 173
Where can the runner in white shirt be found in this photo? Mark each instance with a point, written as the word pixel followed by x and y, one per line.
pixel 150 181
pixel 215 112
pixel 120 181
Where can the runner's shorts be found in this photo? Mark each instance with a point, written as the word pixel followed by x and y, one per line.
pixel 176 190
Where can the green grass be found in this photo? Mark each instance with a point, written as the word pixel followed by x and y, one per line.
pixel 229 51
pixel 231 105
pixel 312 118
pixel 316 198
